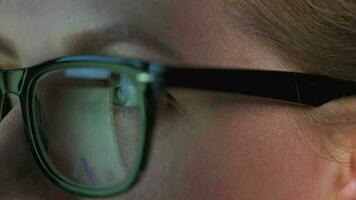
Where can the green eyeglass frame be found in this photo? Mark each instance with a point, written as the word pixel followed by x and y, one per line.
pixel 151 78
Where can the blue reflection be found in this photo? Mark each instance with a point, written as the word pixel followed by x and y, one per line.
pixel 88 73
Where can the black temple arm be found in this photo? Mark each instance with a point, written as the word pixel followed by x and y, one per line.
pixel 294 87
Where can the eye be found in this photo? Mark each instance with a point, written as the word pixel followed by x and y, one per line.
pixel 124 96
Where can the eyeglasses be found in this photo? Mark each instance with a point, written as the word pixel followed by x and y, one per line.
pixel 88 118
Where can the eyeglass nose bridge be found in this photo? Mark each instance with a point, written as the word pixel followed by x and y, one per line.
pixel 11 82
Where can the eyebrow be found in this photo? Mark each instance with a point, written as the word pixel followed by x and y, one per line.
pixel 91 41
pixel 88 42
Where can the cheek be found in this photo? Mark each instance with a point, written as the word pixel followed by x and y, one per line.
pixel 256 154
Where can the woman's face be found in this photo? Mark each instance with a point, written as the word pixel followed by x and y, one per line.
pixel 206 145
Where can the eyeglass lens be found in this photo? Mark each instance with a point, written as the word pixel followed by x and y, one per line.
pixel 87 125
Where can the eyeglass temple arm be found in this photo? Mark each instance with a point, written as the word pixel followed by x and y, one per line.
pixel 313 90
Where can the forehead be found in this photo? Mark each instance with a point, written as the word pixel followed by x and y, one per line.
pixel 195 31
pixel 61 17
pixel 47 26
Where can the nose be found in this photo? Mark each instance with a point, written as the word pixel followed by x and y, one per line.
pixel 20 177
pixel 15 163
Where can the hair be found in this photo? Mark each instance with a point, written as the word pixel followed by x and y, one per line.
pixel 316 36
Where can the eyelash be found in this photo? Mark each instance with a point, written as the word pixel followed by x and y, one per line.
pixel 170 103
pixel 169 97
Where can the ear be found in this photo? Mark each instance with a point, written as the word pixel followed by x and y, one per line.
pixel 342 120
pixel 346 189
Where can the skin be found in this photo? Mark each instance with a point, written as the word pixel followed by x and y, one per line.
pixel 206 145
